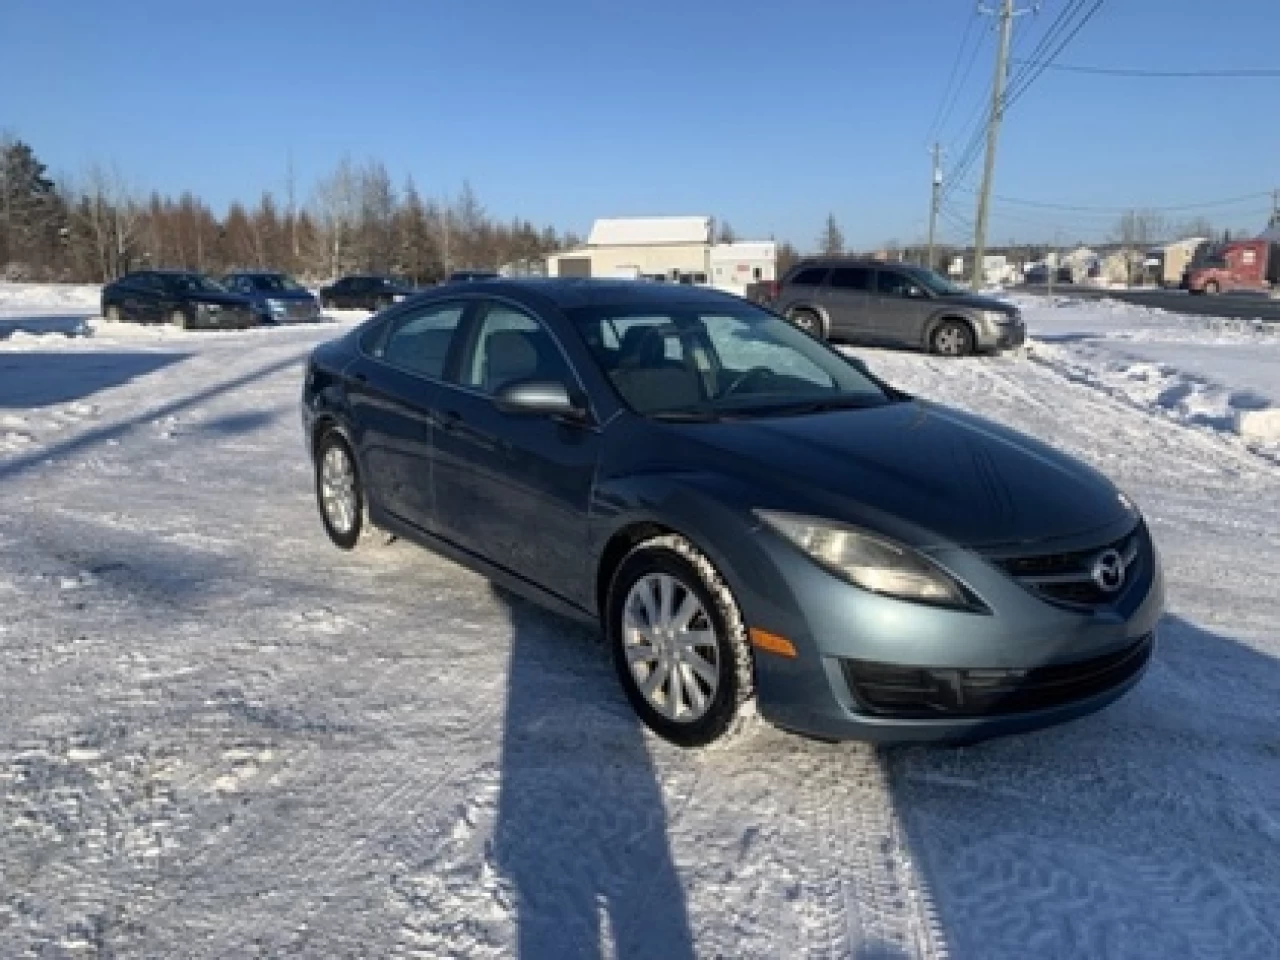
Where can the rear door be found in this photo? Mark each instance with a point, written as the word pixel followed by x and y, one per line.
pixel 847 299
pixel 900 308
pixel 392 389
pixel 514 489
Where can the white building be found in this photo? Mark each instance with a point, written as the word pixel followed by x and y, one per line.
pixel 669 250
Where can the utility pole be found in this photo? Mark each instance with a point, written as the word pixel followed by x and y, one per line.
pixel 1006 15
pixel 934 202
pixel 1275 209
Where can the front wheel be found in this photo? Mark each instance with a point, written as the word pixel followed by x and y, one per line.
pixel 953 338
pixel 339 492
pixel 678 642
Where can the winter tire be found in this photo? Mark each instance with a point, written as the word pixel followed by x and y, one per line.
pixel 678 642
pixel 953 338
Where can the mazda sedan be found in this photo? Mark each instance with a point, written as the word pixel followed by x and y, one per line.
pixel 748 514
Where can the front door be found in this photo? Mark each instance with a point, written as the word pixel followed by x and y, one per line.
pixel 847 297
pixel 900 309
pixel 392 389
pixel 514 489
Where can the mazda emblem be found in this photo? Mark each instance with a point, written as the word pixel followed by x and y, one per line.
pixel 1108 571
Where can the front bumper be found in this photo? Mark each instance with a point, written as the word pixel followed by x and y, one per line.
pixel 957 676
pixel 1002 336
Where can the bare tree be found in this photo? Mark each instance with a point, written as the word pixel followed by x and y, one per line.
pixel 726 233
pixel 108 219
pixel 1136 231
pixel 335 206
pixel 831 240
pixel 1197 227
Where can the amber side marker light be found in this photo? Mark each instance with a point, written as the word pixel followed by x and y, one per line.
pixel 771 642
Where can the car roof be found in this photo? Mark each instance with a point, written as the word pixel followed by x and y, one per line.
pixel 254 273
pixel 847 262
pixel 567 292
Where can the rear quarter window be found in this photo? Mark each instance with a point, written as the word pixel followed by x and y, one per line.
pixel 809 277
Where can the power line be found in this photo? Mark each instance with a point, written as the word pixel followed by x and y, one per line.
pixel 950 93
pixel 1171 208
pixel 1016 95
pixel 1127 72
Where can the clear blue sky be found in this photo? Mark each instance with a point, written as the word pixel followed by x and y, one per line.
pixel 769 114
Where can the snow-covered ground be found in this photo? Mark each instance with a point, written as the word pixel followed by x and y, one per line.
pixel 222 737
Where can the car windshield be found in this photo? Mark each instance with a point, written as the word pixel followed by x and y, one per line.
pixel 935 283
pixel 701 363
pixel 275 281
pixel 194 283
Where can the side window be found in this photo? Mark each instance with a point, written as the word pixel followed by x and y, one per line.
pixel 890 284
pixel 851 278
pixel 419 340
pixel 510 345
pixel 809 277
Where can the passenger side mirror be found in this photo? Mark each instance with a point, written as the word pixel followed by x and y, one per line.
pixel 545 398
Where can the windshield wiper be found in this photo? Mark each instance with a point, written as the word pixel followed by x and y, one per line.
pixel 817 406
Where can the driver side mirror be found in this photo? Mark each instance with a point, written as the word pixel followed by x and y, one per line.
pixel 544 398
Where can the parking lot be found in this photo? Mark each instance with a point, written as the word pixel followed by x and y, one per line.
pixel 225 738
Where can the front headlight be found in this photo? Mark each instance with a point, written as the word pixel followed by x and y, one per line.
pixel 276 306
pixel 869 561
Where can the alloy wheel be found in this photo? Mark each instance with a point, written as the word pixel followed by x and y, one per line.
pixel 338 489
pixel 671 647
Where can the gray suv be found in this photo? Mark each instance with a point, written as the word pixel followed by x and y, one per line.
pixel 895 304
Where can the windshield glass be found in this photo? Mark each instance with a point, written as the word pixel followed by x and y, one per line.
pixel 275 281
pixel 935 283
pixel 193 283
pixel 696 362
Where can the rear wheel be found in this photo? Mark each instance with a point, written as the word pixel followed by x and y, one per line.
pixel 953 338
pixel 179 320
pixel 807 320
pixel 678 642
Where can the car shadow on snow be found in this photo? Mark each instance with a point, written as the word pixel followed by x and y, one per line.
pixel 1150 829
pixel 581 827
pixel 42 379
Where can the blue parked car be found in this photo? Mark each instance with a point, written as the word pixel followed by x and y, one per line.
pixel 276 297
pixel 744 511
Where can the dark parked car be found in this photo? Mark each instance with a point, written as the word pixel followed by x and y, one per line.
pixel 470 276
pixel 365 292
pixel 745 511
pixel 276 297
pixel 894 304
pixel 1038 275
pixel 180 297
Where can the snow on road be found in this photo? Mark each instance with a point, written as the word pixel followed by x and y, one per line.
pixel 222 737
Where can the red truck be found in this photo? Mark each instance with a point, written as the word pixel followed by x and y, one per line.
pixel 1252 265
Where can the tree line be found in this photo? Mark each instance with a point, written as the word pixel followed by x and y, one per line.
pixel 97 227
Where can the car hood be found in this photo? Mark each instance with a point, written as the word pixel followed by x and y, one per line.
pixel 947 476
pixel 977 302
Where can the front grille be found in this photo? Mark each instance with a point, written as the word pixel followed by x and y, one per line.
pixel 1067 579
pixel 921 693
